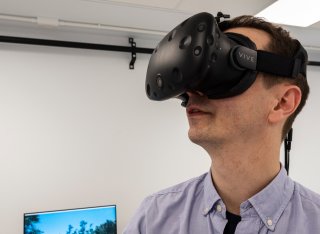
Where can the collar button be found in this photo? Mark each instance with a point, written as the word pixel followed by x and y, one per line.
pixel 205 211
pixel 219 208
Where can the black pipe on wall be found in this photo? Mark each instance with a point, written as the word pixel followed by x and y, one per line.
pixel 82 45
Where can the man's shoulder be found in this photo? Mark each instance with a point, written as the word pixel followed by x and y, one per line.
pixel 160 210
pixel 181 187
pixel 308 197
pixel 191 186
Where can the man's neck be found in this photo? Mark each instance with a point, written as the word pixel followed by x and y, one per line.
pixel 240 172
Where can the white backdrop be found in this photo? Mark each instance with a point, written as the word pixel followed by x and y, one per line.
pixel 77 130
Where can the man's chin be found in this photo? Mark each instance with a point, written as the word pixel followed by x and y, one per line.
pixel 195 137
pixel 204 140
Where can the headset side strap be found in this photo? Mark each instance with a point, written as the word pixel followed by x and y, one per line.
pixel 278 65
pixel 244 58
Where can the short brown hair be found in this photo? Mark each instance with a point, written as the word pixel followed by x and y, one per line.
pixel 282 44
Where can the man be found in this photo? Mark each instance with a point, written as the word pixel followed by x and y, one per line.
pixel 247 190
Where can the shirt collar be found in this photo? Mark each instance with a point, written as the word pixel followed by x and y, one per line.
pixel 270 202
pixel 211 196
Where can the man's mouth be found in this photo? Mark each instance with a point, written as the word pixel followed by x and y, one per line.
pixel 192 111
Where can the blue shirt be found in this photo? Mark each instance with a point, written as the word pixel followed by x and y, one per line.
pixel 195 207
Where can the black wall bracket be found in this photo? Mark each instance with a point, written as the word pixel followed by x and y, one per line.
pixel 133 53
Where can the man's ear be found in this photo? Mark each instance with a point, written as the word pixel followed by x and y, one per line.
pixel 288 99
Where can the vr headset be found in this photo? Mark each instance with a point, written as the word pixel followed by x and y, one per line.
pixel 197 56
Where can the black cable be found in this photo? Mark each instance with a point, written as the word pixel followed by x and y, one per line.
pixel 287 148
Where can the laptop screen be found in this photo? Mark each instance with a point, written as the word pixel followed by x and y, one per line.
pixel 92 220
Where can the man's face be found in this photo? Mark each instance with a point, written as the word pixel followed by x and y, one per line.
pixel 234 119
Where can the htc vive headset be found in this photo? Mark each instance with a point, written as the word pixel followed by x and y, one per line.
pixel 197 56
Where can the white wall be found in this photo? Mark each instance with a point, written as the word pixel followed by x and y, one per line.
pixel 77 130
pixel 305 153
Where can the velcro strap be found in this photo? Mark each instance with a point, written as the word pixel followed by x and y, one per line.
pixel 278 65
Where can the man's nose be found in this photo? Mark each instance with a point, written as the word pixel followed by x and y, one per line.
pixel 195 93
pixel 194 96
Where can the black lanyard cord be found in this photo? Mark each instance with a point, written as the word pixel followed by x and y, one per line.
pixel 287 148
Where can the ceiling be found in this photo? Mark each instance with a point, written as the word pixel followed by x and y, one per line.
pixel 153 16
